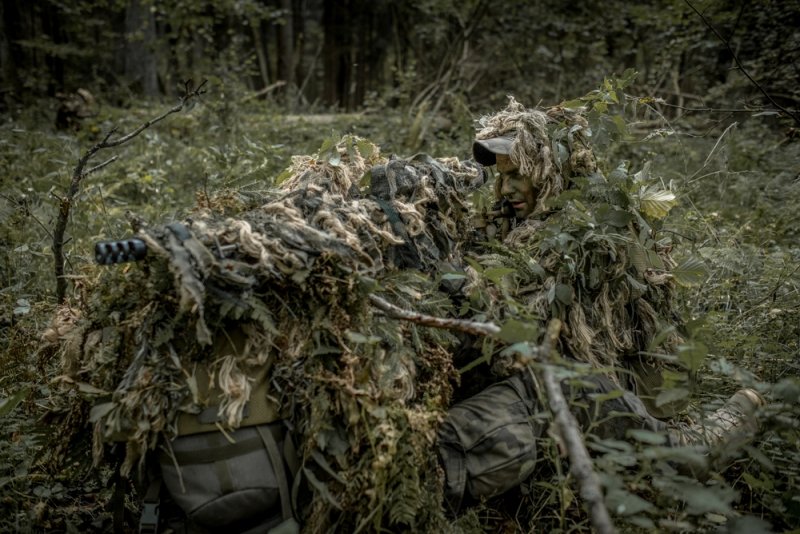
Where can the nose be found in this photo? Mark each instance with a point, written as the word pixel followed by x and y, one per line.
pixel 505 187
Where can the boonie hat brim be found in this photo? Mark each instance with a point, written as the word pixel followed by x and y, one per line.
pixel 485 150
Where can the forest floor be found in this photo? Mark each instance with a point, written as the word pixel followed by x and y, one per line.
pixel 739 192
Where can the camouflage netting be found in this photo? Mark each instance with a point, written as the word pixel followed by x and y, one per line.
pixel 364 393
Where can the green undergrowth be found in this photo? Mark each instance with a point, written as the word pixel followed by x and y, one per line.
pixel 737 192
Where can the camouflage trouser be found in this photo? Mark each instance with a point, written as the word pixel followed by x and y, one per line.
pixel 488 443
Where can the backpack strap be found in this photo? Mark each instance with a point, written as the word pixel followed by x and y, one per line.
pixel 276 459
pixel 148 523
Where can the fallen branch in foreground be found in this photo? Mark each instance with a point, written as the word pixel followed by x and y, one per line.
pixel 580 461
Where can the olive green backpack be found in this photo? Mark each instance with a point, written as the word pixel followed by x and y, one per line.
pixel 236 481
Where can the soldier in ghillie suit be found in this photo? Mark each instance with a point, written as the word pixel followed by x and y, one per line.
pixel 590 259
pixel 246 359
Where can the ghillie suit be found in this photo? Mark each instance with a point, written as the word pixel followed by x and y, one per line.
pixel 266 315
pixel 589 253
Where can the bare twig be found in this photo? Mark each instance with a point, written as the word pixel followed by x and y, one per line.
pixel 727 44
pixel 96 168
pixel 469 327
pixel 78 174
pixel 580 461
pixel 713 150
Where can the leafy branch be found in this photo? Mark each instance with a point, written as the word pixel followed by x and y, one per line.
pixel 78 174
pixel 580 461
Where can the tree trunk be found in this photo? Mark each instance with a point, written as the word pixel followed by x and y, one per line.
pixel 9 81
pixel 299 32
pixel 286 45
pixel 261 51
pixel 141 67
pixel 336 58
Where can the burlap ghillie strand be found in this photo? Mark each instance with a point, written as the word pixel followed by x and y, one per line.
pixel 364 393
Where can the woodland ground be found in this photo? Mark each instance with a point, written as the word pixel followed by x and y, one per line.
pixel 738 184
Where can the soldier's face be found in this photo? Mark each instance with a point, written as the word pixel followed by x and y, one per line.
pixel 515 188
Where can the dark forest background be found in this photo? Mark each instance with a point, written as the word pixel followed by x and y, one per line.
pixel 712 109
pixel 359 54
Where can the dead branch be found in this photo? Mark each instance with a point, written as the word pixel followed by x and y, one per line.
pixel 580 461
pixel 461 325
pixel 78 174
pixel 266 90
pixel 727 44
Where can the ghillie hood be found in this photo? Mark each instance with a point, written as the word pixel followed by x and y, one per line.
pixel 550 146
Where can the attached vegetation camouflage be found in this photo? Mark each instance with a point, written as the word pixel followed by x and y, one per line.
pixel 293 271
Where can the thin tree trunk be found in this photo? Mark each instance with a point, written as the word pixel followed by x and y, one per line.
pixel 286 45
pixel 299 33
pixel 140 38
pixel 8 74
pixel 261 52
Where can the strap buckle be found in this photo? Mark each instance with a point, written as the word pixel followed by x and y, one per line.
pixel 148 523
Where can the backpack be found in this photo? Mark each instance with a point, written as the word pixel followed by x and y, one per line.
pixel 217 479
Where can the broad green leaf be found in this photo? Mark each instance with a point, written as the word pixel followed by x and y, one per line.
pixel 619 122
pixel 515 331
pixel 334 158
pixel 7 405
pixel 99 411
pixel 671 395
pixel 644 174
pixel 496 274
pixel 626 79
pixel 282 177
pixel 622 502
pixel 691 272
pixel 365 148
pixel 692 355
pixel 760 457
pixel 701 500
pixel 638 257
pixel 366 180
pixel 620 173
pixel 523 348
pixel 572 103
pixel 656 203
pixel 647 436
pixel 563 293
pixel 453 276
pixel 475 264
pixel 602 397
pixel 327 145
pixel 654 261
pixel 607 214
pixel 757 483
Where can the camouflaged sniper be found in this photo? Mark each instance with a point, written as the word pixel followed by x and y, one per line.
pixel 364 393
